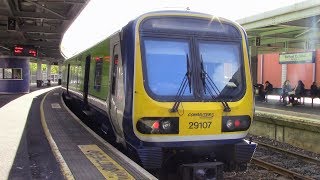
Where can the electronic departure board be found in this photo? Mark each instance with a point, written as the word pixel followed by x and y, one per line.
pixel 24 50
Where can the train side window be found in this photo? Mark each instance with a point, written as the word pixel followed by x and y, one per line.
pixel 1 73
pixel 98 74
pixel 114 72
pixel 79 74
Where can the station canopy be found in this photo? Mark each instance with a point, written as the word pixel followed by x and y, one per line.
pixel 38 24
pixel 293 28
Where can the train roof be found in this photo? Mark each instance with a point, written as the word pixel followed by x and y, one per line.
pixel 162 12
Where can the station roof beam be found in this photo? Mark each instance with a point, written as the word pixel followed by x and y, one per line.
pixel 37 22
pixel 285 29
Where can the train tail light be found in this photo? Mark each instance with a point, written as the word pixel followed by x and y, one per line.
pixel 158 125
pixel 235 123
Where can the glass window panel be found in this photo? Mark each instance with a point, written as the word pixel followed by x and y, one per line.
pixel 166 65
pixel 7 73
pixel 98 74
pixel 1 73
pixel 17 73
pixel 222 63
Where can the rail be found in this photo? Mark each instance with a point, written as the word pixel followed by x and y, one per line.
pixel 278 169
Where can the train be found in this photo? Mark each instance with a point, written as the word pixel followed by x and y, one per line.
pixel 171 84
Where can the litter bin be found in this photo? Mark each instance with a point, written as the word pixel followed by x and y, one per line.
pixel 39 83
pixel 258 88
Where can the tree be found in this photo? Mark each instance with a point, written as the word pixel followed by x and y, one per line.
pixel 34 66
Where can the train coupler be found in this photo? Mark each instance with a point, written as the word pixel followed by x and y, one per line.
pixel 201 171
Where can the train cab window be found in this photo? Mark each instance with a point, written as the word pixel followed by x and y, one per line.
pixel 98 74
pixel 222 63
pixel 165 66
pixel 1 73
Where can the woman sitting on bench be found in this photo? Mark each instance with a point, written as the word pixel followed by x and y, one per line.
pixel 299 91
pixel 286 88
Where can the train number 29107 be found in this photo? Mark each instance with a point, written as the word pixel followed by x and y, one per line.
pixel 199 125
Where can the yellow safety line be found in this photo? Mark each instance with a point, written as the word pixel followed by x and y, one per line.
pixel 108 167
pixel 63 165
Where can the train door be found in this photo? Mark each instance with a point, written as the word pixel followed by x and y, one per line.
pixel 86 82
pixel 116 99
pixel 68 78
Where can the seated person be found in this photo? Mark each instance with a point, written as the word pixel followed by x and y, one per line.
pixel 268 89
pixel 314 90
pixel 299 91
pixel 286 88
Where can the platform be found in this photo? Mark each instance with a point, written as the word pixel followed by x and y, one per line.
pixel 297 125
pixel 26 154
pixel 73 151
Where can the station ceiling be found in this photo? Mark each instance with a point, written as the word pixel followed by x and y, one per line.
pixel 288 29
pixel 40 23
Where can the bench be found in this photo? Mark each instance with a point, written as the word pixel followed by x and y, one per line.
pixel 307 94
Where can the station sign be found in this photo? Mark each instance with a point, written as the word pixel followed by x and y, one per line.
pixel 297 58
pixel 25 50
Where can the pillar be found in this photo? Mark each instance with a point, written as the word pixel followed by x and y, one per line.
pixel 39 74
pixel 254 63
pixel 60 74
pixel 48 74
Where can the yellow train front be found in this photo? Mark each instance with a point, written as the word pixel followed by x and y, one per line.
pixel 191 91
pixel 174 85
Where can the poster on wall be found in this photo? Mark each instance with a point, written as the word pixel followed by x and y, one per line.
pixel 297 58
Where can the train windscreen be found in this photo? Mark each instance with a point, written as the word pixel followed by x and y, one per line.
pixel 172 47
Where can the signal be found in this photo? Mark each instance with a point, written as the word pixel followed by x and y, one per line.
pixel 23 50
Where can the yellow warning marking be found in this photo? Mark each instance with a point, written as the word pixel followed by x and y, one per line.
pixel 104 163
pixel 66 172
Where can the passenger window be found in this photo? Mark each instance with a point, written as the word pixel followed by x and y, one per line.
pixel 114 72
pixel 79 73
pixel 98 74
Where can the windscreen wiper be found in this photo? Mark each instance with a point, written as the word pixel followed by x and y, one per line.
pixel 204 76
pixel 182 87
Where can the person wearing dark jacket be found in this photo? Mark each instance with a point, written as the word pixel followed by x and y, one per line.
pixel 268 89
pixel 314 90
pixel 299 91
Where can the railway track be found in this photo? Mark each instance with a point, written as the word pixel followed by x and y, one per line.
pixel 286 163
pixel 279 170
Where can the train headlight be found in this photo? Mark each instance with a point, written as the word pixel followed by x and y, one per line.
pixel 229 124
pixel 235 123
pixel 158 125
pixel 166 125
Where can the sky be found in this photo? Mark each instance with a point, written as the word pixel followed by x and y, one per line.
pixel 101 18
